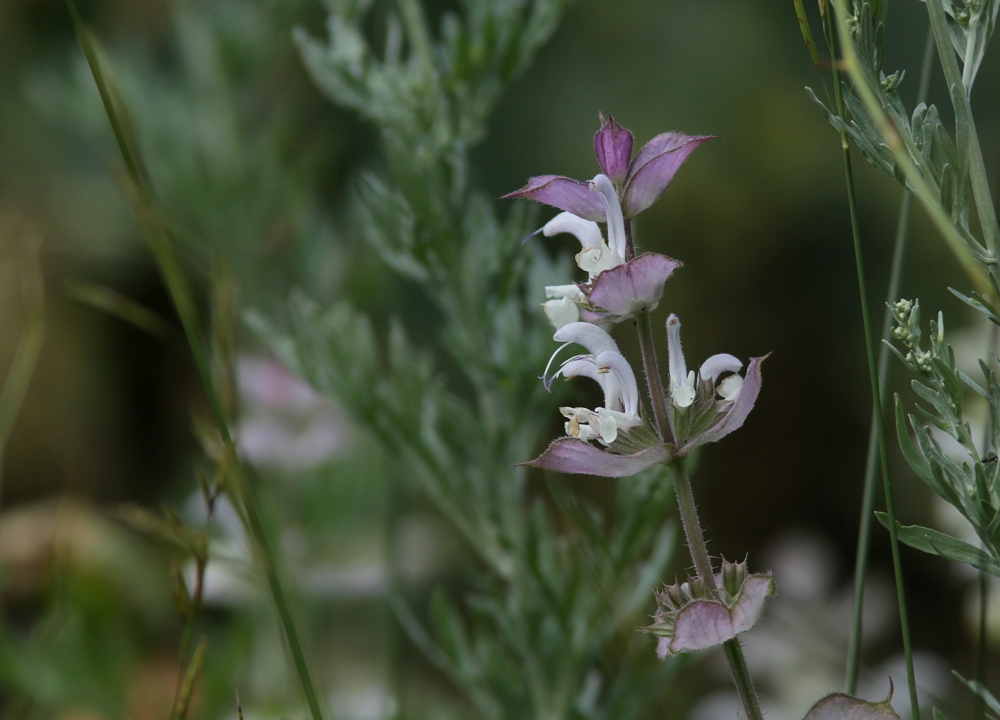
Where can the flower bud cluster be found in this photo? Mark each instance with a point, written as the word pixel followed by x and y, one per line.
pixel 906 313
pixel 691 616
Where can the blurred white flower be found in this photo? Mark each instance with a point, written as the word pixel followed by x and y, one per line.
pixel 284 422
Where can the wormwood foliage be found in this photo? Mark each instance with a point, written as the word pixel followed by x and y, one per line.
pixel 914 147
pixel 548 629
pixel 947 174
pixel 969 482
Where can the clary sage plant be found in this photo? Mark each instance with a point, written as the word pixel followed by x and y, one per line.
pixel 620 438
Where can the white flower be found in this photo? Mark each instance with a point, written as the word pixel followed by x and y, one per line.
pixel 596 255
pixel 609 369
pixel 563 309
pixel 683 382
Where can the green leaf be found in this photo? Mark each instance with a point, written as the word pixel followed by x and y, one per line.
pixel 800 13
pixel 946 546
pixel 913 456
pixel 978 688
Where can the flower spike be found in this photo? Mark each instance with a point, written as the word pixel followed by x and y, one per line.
pixel 643 179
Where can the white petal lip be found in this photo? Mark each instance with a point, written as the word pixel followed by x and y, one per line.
pixel 586 231
pixel 616 221
pixel 730 387
pixel 718 364
pixel 571 291
pixel 629 390
pixel 587 366
pixel 596 260
pixel 590 336
pixel 561 311
pixel 683 395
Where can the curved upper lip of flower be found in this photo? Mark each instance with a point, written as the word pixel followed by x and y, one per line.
pixel 605 365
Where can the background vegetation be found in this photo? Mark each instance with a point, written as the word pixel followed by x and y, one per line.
pixel 246 153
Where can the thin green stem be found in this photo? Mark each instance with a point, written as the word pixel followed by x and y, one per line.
pixel 629 242
pixel 979 661
pixel 876 397
pixel 650 366
pixel 871 463
pixel 982 585
pixel 703 565
pixel 190 622
pixel 186 308
pixel 29 347
pixel 742 679
pixel 692 527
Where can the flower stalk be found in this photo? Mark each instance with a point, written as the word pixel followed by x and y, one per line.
pixel 872 459
pixel 703 564
pixel 183 300
pixel 653 382
pixel 875 388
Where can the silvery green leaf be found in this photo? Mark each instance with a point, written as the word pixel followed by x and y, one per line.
pixel 962 120
pixel 979 303
pixel 979 689
pixel 948 191
pixel 913 456
pixel 942 545
pixel 819 103
pixel 944 152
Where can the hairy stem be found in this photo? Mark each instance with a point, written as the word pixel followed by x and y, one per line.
pixel 703 564
pixel 871 463
pixel 876 394
pixel 629 242
pixel 653 381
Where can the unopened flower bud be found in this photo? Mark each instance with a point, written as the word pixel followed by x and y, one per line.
pixel 733 575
